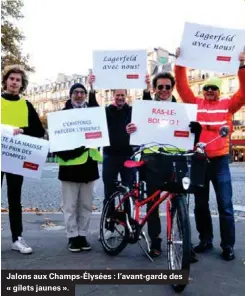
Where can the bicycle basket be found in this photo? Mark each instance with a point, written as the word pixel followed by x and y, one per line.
pixel 165 172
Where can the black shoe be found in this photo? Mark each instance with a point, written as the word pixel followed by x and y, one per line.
pixel 228 254
pixel 73 245
pixel 193 256
pixel 203 247
pixel 83 243
pixel 156 248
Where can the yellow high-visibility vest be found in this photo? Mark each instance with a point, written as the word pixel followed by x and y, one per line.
pixel 14 113
pixel 93 153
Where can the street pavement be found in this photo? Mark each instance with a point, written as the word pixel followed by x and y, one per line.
pixel 210 276
pixel 45 194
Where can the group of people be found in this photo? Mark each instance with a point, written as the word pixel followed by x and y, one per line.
pixel 237 155
pixel 78 168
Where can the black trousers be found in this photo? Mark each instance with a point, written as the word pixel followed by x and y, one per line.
pixel 14 186
pixel 154 222
pixel 112 167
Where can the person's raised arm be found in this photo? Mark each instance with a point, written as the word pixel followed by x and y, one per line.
pixel 147 91
pixel 182 86
pixel 92 96
pixel 238 99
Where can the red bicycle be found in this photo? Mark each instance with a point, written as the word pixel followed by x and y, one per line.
pixel 178 173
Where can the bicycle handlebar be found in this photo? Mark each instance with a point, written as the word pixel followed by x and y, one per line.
pixel 224 131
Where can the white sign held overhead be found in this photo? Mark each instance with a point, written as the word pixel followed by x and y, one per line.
pixel 70 129
pixel 211 48
pixel 163 123
pixel 120 69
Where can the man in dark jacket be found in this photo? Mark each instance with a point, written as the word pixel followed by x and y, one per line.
pixel 118 116
pixel 20 114
pixel 77 172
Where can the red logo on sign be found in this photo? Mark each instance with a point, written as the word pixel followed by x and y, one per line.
pixel 132 76
pixel 181 134
pixel 225 59
pixel 30 166
pixel 94 135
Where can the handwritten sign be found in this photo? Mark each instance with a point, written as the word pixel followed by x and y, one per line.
pixel 70 129
pixel 121 69
pixel 211 48
pixel 23 155
pixel 163 123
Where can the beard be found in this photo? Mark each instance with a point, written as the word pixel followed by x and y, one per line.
pixel 78 104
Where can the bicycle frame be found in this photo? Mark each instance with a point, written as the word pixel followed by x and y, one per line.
pixel 139 204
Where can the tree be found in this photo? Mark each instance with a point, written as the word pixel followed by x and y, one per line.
pixel 12 37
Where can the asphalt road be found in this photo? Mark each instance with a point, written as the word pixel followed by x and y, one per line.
pixel 45 194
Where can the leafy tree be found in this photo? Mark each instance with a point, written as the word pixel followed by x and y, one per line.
pixel 12 37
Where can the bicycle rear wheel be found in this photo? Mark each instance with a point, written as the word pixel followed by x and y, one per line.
pixel 179 238
pixel 113 228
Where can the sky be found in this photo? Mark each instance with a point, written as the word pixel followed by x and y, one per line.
pixel 62 34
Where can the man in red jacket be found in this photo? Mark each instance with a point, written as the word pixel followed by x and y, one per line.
pixel 214 112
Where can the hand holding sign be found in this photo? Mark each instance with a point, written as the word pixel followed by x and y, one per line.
pixel 18 131
pixel 242 58
pixel 91 80
pixel 148 82
pixel 131 128
pixel 177 52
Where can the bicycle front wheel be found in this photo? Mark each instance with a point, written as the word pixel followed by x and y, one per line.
pixel 113 229
pixel 179 238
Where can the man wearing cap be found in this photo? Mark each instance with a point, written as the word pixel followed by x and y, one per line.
pixel 78 169
pixel 213 113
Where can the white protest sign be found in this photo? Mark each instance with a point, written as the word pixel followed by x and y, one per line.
pixel 120 69
pixel 70 129
pixel 23 155
pixel 211 48
pixel 163 123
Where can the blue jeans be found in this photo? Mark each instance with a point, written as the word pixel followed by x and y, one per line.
pixel 219 173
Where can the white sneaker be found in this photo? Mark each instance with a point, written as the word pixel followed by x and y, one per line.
pixel 21 246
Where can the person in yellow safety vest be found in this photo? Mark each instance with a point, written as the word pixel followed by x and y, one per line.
pixel 163 86
pixel 78 169
pixel 20 114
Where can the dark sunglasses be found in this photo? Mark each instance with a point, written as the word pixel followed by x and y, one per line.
pixel 120 95
pixel 212 87
pixel 162 86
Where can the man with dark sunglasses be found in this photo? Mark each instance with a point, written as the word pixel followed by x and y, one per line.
pixel 213 113
pixel 163 86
